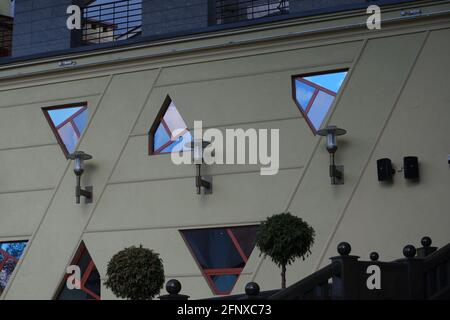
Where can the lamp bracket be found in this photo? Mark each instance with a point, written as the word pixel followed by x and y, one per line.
pixel 87 193
pixel 207 184
pixel 337 177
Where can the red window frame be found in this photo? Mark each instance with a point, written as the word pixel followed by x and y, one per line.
pixel 160 120
pixel 90 267
pixel 55 129
pixel 207 273
pixel 316 87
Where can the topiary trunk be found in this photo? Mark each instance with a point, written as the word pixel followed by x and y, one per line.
pixel 283 276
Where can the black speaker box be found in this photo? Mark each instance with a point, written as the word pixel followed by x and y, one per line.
pixel 411 168
pixel 384 169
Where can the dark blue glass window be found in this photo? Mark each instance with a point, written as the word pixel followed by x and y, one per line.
pixel 90 279
pixel 221 253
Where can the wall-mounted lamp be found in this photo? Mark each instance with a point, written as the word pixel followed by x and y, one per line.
pixel 79 157
pixel 331 132
pixel 201 182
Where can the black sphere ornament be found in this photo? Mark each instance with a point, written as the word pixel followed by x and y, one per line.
pixel 426 241
pixel 344 248
pixel 173 286
pixel 374 256
pixel 252 289
pixel 409 251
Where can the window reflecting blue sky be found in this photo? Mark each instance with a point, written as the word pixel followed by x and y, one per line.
pixel 331 81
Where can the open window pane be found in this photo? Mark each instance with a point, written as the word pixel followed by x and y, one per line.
pixel 68 124
pixel 315 94
pixel 221 253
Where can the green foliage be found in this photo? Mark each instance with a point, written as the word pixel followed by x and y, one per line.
pixel 135 273
pixel 284 238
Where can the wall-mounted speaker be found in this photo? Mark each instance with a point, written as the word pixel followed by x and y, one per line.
pixel 411 168
pixel 385 170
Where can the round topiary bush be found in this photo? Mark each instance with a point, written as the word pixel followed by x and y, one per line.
pixel 135 273
pixel 284 238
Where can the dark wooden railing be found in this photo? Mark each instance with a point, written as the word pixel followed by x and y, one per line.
pixel 436 269
pixel 423 274
pixel 316 286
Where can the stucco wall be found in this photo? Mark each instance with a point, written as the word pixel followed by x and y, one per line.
pixel 393 103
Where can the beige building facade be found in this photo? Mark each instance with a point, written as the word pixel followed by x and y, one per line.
pixel 394 102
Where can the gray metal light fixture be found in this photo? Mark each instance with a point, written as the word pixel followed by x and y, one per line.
pixel 79 157
pixel 205 182
pixel 331 132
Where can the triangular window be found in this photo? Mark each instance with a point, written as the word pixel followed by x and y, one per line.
pixel 221 254
pixel 10 253
pixel 68 124
pixel 314 95
pixel 89 278
pixel 169 132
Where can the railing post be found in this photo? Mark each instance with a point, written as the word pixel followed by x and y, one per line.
pixel 173 287
pixel 426 249
pixel 415 276
pixel 252 291
pixel 346 285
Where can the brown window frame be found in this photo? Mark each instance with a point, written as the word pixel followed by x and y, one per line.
pixel 55 129
pixel 207 273
pixel 158 120
pixel 84 277
pixel 311 74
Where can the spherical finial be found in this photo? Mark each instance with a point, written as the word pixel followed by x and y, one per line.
pixel 173 286
pixel 409 251
pixel 426 241
pixel 252 289
pixel 344 248
pixel 374 256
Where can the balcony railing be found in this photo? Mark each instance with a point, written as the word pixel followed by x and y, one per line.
pixel 6 31
pixel 112 21
pixel 228 11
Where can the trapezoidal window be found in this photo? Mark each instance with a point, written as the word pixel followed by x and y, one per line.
pixel 10 253
pixel 314 95
pixel 68 124
pixel 90 279
pixel 169 132
pixel 221 254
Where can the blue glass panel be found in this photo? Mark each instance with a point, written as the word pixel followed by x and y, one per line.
pixel 160 138
pixel 14 248
pixel 303 93
pixel 179 144
pixel 246 237
pixel 319 108
pixel 224 283
pixel 213 248
pixel 58 116
pixel 81 121
pixel 330 81
pixel 69 137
